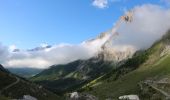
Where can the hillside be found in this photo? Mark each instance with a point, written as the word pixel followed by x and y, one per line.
pixel 152 64
pixel 64 78
pixel 104 79
pixel 12 86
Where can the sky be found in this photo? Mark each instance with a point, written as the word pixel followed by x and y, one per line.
pixel 29 23
pixel 72 29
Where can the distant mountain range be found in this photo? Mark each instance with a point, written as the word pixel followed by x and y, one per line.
pixel 35 49
pixel 40 48
pixel 25 72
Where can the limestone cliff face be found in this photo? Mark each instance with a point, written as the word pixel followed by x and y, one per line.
pixel 110 52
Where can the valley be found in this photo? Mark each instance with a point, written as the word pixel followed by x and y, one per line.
pixel 85 50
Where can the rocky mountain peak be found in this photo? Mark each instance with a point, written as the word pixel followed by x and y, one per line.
pixel 111 52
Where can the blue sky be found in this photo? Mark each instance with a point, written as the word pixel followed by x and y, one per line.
pixel 28 23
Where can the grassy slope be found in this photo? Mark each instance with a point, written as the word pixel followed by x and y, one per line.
pixel 71 76
pixel 56 71
pixel 128 84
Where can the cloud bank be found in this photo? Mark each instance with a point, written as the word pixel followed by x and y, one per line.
pixel 45 56
pixel 150 23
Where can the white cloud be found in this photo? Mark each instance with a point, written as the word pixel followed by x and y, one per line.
pixel 44 45
pixel 100 3
pixel 104 3
pixel 28 62
pixel 12 48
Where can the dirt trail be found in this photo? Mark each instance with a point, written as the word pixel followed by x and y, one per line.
pixel 159 90
pixel 10 85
